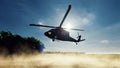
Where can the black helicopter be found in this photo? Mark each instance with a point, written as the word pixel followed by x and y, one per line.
pixel 59 33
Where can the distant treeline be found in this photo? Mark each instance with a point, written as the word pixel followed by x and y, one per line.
pixel 16 44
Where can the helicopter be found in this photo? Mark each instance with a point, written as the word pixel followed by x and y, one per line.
pixel 59 33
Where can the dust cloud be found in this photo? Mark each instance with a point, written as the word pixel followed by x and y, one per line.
pixel 61 60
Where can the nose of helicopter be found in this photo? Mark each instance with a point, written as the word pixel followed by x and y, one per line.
pixel 46 33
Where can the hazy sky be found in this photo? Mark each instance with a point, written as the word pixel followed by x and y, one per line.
pixel 99 18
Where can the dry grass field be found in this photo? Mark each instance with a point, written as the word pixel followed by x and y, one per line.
pixel 61 60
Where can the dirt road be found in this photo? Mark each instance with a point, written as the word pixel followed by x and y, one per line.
pixel 61 60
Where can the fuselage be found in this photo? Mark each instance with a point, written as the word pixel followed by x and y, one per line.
pixel 58 33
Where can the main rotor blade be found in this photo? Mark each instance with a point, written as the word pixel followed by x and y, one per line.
pixel 42 25
pixel 75 29
pixel 69 7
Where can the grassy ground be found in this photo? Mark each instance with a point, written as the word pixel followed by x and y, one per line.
pixel 61 60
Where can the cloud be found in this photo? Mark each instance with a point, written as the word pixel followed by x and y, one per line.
pixel 105 41
pixel 57 9
pixel 41 23
pixel 86 18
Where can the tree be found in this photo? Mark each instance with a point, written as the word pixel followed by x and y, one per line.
pixel 10 44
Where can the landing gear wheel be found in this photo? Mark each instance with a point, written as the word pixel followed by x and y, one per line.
pixel 53 40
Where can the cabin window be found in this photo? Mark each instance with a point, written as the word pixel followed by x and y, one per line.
pixel 49 33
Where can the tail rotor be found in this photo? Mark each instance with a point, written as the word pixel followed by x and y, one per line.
pixel 79 38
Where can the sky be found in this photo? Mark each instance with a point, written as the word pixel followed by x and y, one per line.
pixel 99 18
